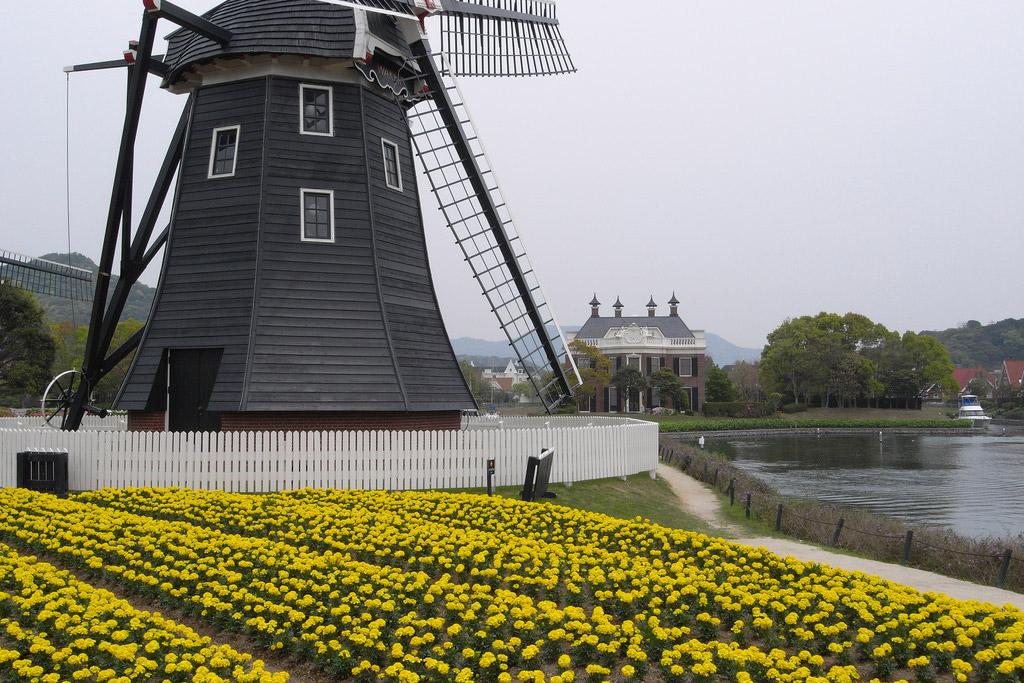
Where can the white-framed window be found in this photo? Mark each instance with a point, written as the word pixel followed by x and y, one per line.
pixel 316 110
pixel 686 367
pixel 633 362
pixel 317 211
pixel 392 165
pixel 655 364
pixel 224 151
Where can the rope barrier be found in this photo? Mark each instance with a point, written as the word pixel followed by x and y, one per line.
pixel 957 552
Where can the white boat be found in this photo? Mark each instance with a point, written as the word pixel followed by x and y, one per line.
pixel 971 410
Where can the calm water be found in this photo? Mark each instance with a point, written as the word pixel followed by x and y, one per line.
pixel 974 484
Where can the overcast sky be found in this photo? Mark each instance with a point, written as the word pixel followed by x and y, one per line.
pixel 762 159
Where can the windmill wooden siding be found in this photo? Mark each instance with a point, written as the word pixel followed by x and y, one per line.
pixel 351 325
pixel 205 294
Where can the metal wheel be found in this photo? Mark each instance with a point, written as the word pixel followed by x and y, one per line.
pixel 59 395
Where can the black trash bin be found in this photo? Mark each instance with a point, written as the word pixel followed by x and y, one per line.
pixel 43 470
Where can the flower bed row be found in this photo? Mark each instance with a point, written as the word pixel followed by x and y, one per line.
pixel 428 586
pixel 55 628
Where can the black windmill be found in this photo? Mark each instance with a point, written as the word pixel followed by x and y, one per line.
pixel 295 290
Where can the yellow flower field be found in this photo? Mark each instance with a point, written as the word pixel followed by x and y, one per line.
pixel 459 587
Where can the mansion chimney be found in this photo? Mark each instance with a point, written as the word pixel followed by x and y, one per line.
pixel 595 307
pixel 618 307
pixel 674 305
pixel 652 308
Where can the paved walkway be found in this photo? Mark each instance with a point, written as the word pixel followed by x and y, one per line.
pixel 696 499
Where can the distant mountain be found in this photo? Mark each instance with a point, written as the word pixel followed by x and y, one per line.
pixel 140 300
pixel 723 351
pixel 973 345
pixel 726 353
pixel 481 348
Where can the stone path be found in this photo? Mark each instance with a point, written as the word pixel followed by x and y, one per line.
pixel 696 499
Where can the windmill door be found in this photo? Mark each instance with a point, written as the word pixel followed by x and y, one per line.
pixel 191 374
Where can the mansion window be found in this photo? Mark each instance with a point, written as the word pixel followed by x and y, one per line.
pixel 224 152
pixel 317 110
pixel 317 215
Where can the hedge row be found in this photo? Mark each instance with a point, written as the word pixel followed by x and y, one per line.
pixel 744 409
pixel 725 424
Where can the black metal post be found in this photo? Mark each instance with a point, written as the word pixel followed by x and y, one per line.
pixel 131 264
pixel 839 530
pixel 750 499
pixel 714 480
pixel 732 492
pixel 490 476
pixel 93 356
pixel 705 477
pixel 1004 568
pixel 907 543
pixel 778 518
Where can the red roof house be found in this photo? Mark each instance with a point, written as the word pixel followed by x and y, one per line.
pixel 1013 374
pixel 963 377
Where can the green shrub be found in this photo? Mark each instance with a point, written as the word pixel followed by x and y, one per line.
pixel 1014 414
pixel 740 409
pixel 791 408
pixel 733 424
pixel 6 412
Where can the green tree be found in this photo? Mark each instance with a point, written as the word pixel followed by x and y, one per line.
pixel 629 380
pixel 670 388
pixel 744 376
pixel 788 362
pixel 473 379
pixel 26 346
pixel 717 385
pixel 839 358
pixel 70 352
pixel 595 369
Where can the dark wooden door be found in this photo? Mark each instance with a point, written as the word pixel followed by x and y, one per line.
pixel 191 374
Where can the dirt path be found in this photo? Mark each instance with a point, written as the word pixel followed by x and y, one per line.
pixel 696 499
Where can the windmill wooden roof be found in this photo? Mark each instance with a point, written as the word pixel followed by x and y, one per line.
pixel 282 27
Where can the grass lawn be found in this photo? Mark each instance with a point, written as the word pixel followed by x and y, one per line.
pixel 637 495
pixel 926 413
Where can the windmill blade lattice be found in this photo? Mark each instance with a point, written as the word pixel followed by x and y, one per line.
pixel 504 38
pixel 40 276
pixel 457 169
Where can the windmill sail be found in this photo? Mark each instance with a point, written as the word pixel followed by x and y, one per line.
pixel 488 37
pixel 468 194
pixel 503 38
pixel 40 276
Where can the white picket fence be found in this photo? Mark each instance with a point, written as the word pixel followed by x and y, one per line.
pixel 91 422
pixel 254 462
pixel 533 422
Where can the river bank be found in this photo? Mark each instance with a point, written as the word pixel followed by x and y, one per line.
pixel 852 528
pixel 697 499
